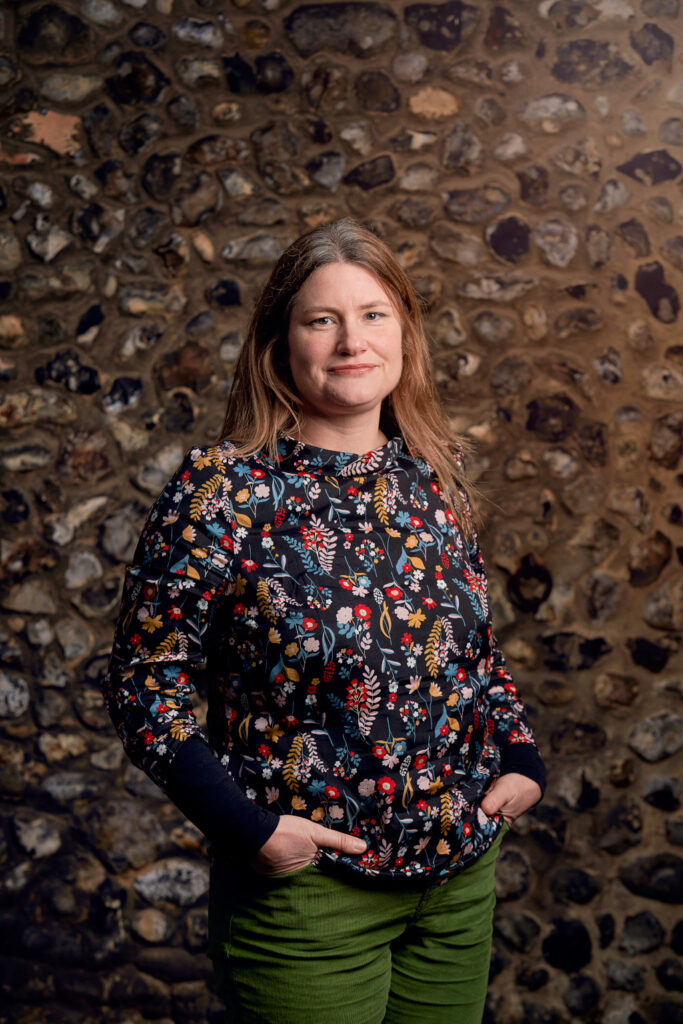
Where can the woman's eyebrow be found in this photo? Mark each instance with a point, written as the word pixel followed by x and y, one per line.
pixel 331 309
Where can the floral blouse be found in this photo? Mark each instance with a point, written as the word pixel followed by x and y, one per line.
pixel 344 626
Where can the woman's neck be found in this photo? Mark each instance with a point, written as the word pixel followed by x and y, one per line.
pixel 340 436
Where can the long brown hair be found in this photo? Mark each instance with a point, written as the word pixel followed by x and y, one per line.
pixel 263 403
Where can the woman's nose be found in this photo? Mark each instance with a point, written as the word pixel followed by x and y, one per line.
pixel 351 338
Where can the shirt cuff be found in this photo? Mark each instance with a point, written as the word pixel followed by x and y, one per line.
pixel 201 788
pixel 524 759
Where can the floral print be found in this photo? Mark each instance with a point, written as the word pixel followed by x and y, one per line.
pixel 344 625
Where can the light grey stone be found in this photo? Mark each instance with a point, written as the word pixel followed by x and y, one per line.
pixel 177 880
pixel 658 736
pixel 15 696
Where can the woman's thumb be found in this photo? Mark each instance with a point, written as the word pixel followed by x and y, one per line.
pixel 340 841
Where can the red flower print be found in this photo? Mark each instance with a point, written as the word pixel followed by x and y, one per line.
pixel 258 474
pixel 249 564
pixel 467 829
pixel 136 640
pixel 348 537
pixel 461 674
pixel 149 590
pixel 447 769
pixel 420 761
pixel 291 721
pixel 309 623
pixel 362 611
pixel 185 476
pixel 183 679
pixel 386 785
pixel 379 751
pixel 175 613
pixel 264 750
pixel 429 602
pixel 332 792
pixel 329 671
pixel 443 731
pixel 421 805
pixel 414 521
pixel 148 737
pixel 346 583
pixel 407 638
pixel 393 592
pixel 227 542
pixel 407 566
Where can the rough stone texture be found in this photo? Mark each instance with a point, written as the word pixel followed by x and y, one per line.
pixel 524 162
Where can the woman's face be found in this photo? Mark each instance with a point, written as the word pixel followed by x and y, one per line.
pixel 345 342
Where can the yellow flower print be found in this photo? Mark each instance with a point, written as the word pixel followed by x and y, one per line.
pixel 411 541
pixel 239 585
pixel 442 847
pixel 274 732
pixel 298 803
pixel 318 814
pixel 242 495
pixel 152 623
pixel 416 618
pixel 291 650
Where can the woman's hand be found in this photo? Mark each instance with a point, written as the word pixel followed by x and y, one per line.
pixel 511 795
pixel 295 842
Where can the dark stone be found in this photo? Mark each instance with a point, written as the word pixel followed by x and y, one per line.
pixel 146 224
pixel 568 946
pixel 606 930
pixel 660 208
pixel 476 205
pixel 53 942
pixel 670 975
pixel 660 8
pixel 376 92
pixel 518 931
pixel 136 80
pixel 532 978
pixel 116 182
pixel 509 238
pixel 461 151
pixel 178 415
pixel 647 558
pixel 503 30
pixel 533 1013
pixel 571 651
pixel 652 43
pixel 5 290
pixel 511 376
pixel 598 245
pixel 635 235
pixel 147 36
pixel 591 63
pixel 530 585
pixel 50 35
pixel 671 131
pixel 16 508
pixel 173 964
pixel 658 877
pixel 160 175
pixel 642 933
pixel 275 145
pixel 224 293
pixel 93 317
pixel 666 440
pixel 648 653
pixel 552 418
pixel 263 212
pixel 140 133
pixel 124 392
pixel 273 73
pixel 372 173
pixel 173 253
pixel 360 29
pixel 319 131
pixel 625 976
pixel 573 885
pixel 534 182
pixel 572 738
pixel 327 169
pixel 592 441
pixel 442 26
pixel 188 367
pixel 548 827
pixel 676 942
pixel 661 297
pixel 240 75
pixel 672 250
pixel 212 150
pixel 673 513
pixel 663 792
pixel 200 324
pixel 575 321
pixel 651 168
pixel 493 328
pixel 65 368
pixel 489 111
pixel 581 995
pixel 608 366
pixel 185 112
pixel 101 127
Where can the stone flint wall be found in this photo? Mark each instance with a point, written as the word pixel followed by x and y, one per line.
pixel 525 163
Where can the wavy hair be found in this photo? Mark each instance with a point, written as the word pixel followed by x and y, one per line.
pixel 263 403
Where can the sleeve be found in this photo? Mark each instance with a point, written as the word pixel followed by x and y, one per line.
pixel 505 712
pixel 172 593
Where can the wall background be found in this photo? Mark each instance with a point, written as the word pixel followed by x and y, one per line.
pixel 525 162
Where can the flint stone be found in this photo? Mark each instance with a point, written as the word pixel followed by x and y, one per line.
pixel 503 30
pixel 660 8
pixel 410 67
pixel 663 792
pixel 376 92
pixel 359 137
pixel 632 123
pixel 509 238
pixel 622 975
pixel 674 831
pixel 613 194
pixel 160 175
pixel 511 376
pixel 658 877
pixel 613 691
pixel 66 787
pixel 558 241
pixel 198 72
pixel 672 250
pixel 327 169
pixel 576 788
pixel 571 651
pixel 475 205
pixel 462 151
pixel 493 328
pixel 419 177
pixel 153 298
pixel 34 405
pixel 513 875
pixel 60 528
pixel 592 63
pixel 451 244
pixel 177 880
pixel 660 296
pixel 372 173
pixel 30 596
pixel 631 503
pixel 136 80
pixel 256 249
pixel 442 26
pixel 98 226
pixel 62 87
pixel 201 33
pixel 120 835
pixel 172 964
pixel 38 836
pixel 652 167
pixel 185 112
pixel 518 931
pixel 635 235
pixel 14 695
pixel 568 947
pixel 666 440
pixel 50 35
pixel 505 286
pixel 657 737
pixel 573 885
pixel 10 251
pixel 552 113
pixel 652 43
pixel 623 826
pixel 510 146
pixel 137 135
pixel 360 29
pixel 534 183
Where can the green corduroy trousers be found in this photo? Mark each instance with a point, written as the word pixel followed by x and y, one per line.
pixel 312 948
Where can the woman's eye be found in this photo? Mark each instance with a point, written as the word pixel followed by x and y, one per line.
pixel 373 314
pixel 320 319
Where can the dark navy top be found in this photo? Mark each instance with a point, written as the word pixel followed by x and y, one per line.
pixel 343 624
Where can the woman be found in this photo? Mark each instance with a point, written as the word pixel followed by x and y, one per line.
pixel 366 746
